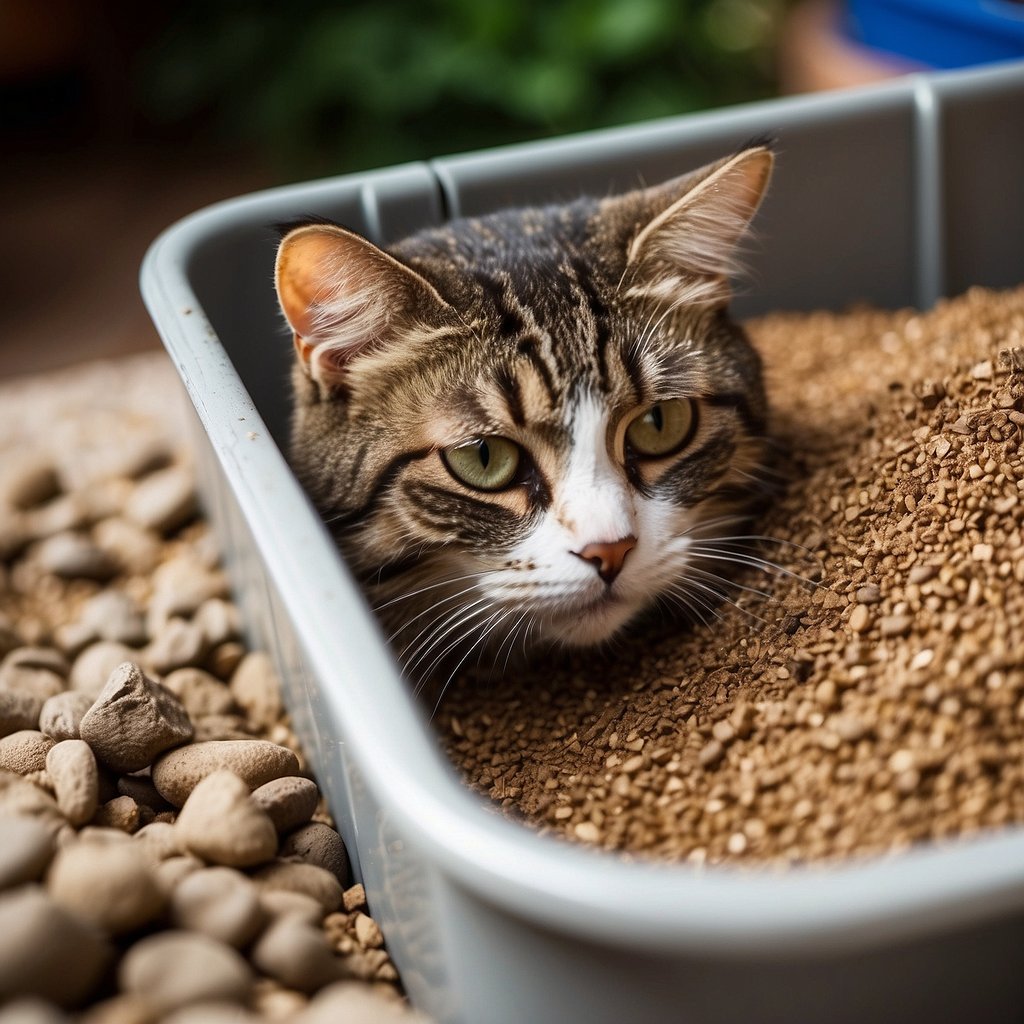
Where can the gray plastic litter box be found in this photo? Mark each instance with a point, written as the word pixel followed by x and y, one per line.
pixel 896 194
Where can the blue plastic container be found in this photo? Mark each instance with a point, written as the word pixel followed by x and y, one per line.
pixel 940 33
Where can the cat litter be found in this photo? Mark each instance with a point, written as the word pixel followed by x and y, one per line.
pixel 862 688
pixel 165 854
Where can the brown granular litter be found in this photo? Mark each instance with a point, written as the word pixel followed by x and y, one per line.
pixel 874 696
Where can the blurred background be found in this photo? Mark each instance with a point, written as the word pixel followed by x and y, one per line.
pixel 121 117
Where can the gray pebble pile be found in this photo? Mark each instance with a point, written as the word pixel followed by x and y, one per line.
pixel 165 855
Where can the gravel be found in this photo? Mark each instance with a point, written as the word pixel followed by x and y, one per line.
pixel 133 719
pixel 220 824
pixel 872 696
pixel 127 693
pixel 289 801
pixel 177 773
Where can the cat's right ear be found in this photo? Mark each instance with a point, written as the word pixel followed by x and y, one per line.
pixel 685 253
pixel 343 297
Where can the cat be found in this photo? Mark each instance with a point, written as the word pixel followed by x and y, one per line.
pixel 529 427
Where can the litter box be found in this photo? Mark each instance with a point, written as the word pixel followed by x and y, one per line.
pixel 896 194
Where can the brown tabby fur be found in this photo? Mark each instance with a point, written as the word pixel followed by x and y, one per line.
pixel 511 325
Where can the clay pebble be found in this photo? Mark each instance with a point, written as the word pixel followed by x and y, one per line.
pixel 18 711
pixel 223 727
pixel 73 637
pixel 181 585
pixel 92 667
pixel 99 834
pixel 224 659
pixel 319 844
pixel 133 720
pixel 121 813
pixel 118 1009
pixel 219 902
pixel 28 479
pixel 61 715
pixel 288 902
pixel 220 823
pixel 25 751
pixel 289 801
pixel 170 873
pixel 47 951
pixel 294 876
pixel 355 898
pixel 355 1004
pixel 115 615
pixel 163 501
pixel 367 931
pixel 297 955
pixel 21 798
pixel 33 671
pixel 73 555
pixel 132 548
pixel 26 851
pixel 32 1010
pixel 65 516
pixel 175 968
pixel 256 688
pixel 72 768
pixel 177 644
pixel 256 762
pixel 14 534
pixel 215 1012
pixel 108 884
pixel 123 456
pixel 200 692
pixel 219 620
pixel 10 639
pixel 141 789
pixel 158 840
pixel 36 657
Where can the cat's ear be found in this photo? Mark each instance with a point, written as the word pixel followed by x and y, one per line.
pixel 343 296
pixel 686 252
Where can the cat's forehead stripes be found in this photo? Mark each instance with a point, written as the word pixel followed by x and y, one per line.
pixel 554 327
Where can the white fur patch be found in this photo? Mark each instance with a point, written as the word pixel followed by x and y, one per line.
pixel 593 503
pixel 351 316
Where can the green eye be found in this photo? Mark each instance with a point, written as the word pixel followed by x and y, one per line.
pixel 488 464
pixel 663 428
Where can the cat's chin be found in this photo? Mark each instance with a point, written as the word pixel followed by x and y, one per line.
pixel 591 624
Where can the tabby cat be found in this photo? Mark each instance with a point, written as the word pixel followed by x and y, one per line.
pixel 530 426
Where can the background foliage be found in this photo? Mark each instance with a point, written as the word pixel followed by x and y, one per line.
pixel 319 87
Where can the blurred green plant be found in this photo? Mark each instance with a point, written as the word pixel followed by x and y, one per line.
pixel 321 87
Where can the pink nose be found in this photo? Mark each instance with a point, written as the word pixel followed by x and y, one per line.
pixel 607 558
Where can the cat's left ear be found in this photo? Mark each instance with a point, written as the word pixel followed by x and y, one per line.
pixel 344 297
pixel 686 253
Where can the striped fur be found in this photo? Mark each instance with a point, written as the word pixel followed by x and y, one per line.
pixel 553 328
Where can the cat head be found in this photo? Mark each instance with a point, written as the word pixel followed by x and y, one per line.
pixel 529 425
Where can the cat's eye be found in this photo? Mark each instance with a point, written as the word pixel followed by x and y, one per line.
pixel 663 428
pixel 488 463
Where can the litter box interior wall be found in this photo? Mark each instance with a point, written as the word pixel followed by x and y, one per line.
pixel 932 216
pixel 896 195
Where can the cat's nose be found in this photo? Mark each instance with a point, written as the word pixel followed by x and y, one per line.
pixel 607 557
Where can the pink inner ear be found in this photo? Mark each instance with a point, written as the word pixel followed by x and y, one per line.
pixel 340 294
pixel 302 263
